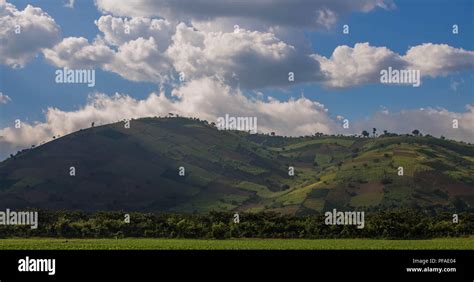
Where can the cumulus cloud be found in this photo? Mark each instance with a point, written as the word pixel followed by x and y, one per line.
pixel 136 60
pixel 4 98
pixel 439 59
pixel 154 51
pixel 359 65
pixel 77 52
pixel 251 59
pixel 362 64
pixel 141 60
pixel 117 31
pixel 24 33
pixel 304 13
pixel 265 16
pixel 209 99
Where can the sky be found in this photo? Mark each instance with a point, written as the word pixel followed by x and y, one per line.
pixel 235 58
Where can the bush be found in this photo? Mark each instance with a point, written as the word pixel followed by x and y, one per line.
pixel 220 231
pixel 394 223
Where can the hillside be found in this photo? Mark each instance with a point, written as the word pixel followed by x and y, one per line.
pixel 137 169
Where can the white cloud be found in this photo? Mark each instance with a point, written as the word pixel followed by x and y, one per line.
pixel 118 31
pixel 4 98
pixel 36 28
pixel 362 64
pixel 136 60
pixel 76 52
pixel 141 60
pixel 251 59
pixel 209 99
pixel 359 65
pixel 439 59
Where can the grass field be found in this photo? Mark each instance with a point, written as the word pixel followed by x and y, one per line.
pixel 237 244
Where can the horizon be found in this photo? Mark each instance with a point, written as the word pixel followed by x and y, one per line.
pixel 379 132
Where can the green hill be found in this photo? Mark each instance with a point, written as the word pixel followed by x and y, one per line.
pixel 137 169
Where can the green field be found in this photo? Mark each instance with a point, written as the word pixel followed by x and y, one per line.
pixel 237 244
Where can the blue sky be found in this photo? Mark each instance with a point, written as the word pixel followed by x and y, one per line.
pixel 410 24
pixel 32 88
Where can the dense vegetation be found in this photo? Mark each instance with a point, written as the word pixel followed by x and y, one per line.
pixel 394 224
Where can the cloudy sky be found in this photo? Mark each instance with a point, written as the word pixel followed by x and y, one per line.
pixel 235 58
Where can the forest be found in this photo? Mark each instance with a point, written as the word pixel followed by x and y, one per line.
pixel 388 224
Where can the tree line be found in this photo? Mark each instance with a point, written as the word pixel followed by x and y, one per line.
pixel 389 224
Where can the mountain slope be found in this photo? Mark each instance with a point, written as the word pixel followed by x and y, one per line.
pixel 137 168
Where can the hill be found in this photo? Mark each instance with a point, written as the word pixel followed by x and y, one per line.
pixel 137 169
